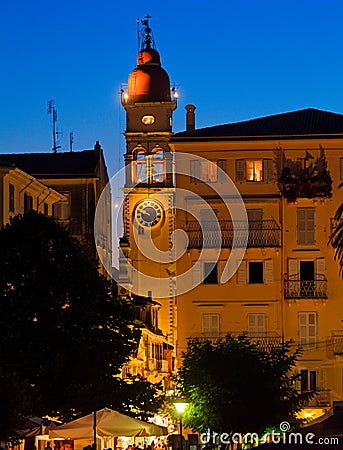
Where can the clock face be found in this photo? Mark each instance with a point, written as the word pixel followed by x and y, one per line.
pixel 148 120
pixel 149 213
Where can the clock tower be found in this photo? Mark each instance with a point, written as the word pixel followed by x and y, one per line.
pixel 148 213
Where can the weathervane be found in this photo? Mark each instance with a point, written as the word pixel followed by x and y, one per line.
pixel 145 36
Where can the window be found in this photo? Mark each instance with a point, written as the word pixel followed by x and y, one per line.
pixel 46 209
pixel 308 380
pixel 256 323
pixel 211 324
pixel 62 209
pixel 141 168
pixel 255 272
pixel 210 273
pixel 11 198
pixel 254 170
pixel 207 171
pixel 306 226
pixel 157 167
pixel 307 327
pixel 28 203
pixel 149 168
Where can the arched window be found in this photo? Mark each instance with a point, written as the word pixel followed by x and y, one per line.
pixel 141 172
pixel 157 167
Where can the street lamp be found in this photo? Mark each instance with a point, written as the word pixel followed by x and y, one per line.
pixel 180 408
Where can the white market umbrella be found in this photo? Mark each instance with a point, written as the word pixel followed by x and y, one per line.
pixel 108 423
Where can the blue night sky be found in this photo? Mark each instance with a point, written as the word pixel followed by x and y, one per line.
pixel 234 60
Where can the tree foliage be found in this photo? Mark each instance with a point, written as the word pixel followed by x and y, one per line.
pixel 336 238
pixel 64 334
pixel 236 387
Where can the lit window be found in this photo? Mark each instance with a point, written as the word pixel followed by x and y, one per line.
pixel 254 170
pixel 157 167
pixel 141 168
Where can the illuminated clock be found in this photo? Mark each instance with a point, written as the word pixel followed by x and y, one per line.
pixel 148 120
pixel 149 213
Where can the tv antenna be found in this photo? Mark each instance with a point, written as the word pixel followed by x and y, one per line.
pixel 53 112
pixel 71 140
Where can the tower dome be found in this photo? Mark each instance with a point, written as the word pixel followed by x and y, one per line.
pixel 148 82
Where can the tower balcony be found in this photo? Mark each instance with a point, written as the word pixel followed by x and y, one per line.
pixel 303 289
pixel 262 234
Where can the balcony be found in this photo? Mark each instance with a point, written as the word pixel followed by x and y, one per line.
pixel 296 288
pixel 161 365
pixel 265 341
pixel 262 233
pixel 321 399
pixel 335 343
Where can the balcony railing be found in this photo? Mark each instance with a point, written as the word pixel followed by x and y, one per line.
pixel 321 399
pixel 265 341
pixel 262 233
pixel 296 288
pixel 335 343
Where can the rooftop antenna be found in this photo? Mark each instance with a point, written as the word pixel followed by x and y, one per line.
pixel 71 140
pixel 53 112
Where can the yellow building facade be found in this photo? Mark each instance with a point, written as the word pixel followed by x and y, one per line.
pixel 20 193
pixel 285 171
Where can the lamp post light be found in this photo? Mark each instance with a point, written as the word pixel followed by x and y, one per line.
pixel 180 408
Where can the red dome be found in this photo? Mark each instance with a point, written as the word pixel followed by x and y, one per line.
pixel 149 82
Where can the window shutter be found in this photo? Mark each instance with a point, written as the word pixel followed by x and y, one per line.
pixel 268 170
pixel 306 226
pixel 293 276
pixel 240 170
pixel 221 173
pixel 320 268
pixel 307 327
pixel 257 323
pixel 293 267
pixel 268 271
pixel 242 273
pixel 223 272
pixel 195 171
pixel 196 273
pixel 211 324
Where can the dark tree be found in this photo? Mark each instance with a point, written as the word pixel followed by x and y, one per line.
pixel 336 238
pixel 64 335
pixel 236 387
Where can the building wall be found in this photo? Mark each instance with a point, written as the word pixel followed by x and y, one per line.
pixel 20 191
pixel 240 305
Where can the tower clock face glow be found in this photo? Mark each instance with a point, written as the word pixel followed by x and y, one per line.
pixel 148 120
pixel 149 213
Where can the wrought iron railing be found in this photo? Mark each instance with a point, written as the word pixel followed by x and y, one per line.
pixel 321 399
pixel 335 343
pixel 261 233
pixel 296 288
pixel 266 341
